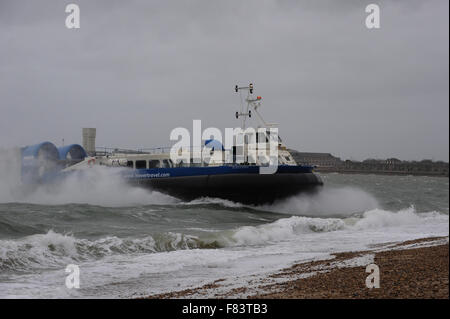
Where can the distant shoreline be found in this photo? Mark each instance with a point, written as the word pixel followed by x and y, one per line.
pixel 364 172
pixel 327 162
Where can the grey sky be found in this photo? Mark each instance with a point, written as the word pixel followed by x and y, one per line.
pixel 137 69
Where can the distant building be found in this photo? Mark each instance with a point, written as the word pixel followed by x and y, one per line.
pixel 316 159
pixel 326 162
pixel 393 161
pixel 396 166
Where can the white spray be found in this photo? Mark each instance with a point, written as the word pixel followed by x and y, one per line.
pixel 10 173
pixel 95 186
pixel 328 202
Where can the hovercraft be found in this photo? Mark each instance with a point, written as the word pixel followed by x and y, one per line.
pixel 236 174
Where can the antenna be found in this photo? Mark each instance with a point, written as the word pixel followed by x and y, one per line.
pixel 254 103
pixel 247 112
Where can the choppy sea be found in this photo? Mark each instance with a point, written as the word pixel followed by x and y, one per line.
pixel 130 242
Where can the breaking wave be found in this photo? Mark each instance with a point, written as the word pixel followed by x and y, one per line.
pixel 52 249
pixel 378 218
pixel 56 250
pixel 290 228
pixel 280 230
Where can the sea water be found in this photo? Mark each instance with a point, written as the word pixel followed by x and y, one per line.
pixel 131 242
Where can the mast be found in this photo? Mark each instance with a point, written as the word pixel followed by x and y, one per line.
pixel 251 103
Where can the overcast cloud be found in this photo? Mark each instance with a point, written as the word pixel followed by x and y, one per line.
pixel 137 69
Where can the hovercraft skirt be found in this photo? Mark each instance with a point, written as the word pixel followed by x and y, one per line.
pixel 246 188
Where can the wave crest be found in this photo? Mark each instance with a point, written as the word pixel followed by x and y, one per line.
pixel 53 249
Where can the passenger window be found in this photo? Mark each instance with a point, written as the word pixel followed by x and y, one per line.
pixel 153 164
pixel 130 164
pixel 166 163
pixel 141 164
